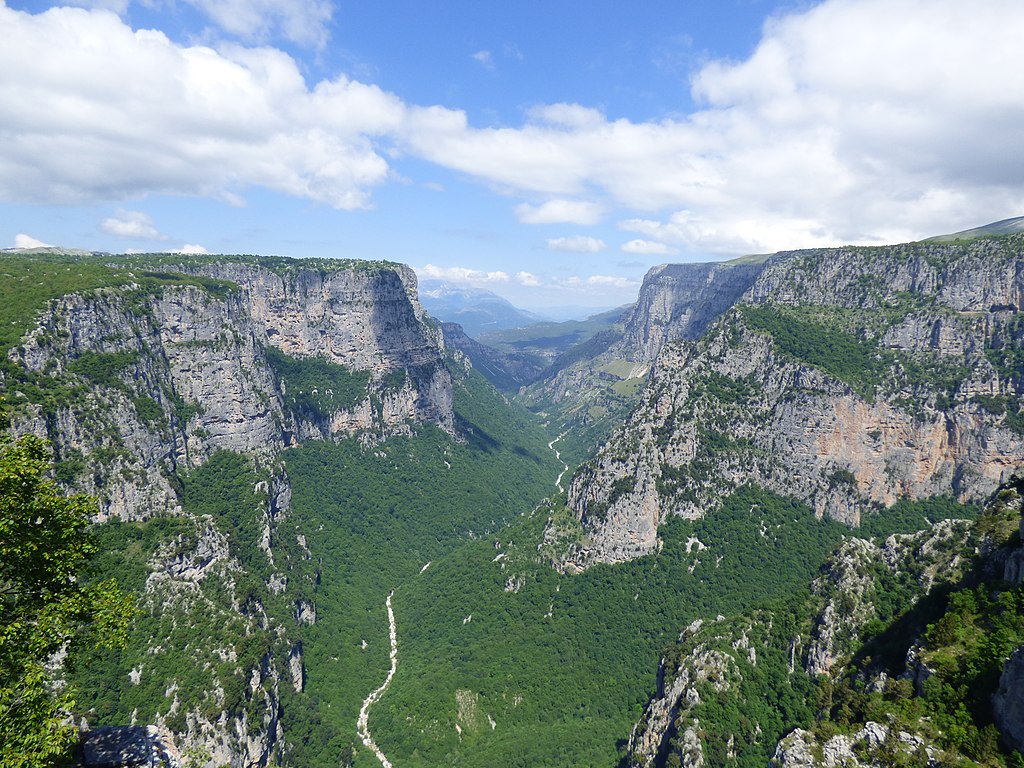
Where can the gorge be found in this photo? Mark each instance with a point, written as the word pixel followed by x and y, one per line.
pixel 726 530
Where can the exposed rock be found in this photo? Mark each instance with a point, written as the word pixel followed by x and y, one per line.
pixel 506 371
pixel 680 301
pixel 867 748
pixel 127 746
pixel 845 589
pixel 595 385
pixel 710 657
pixel 365 317
pixel 733 407
pixel 193 375
pixel 297 668
pixel 678 693
pixel 1008 701
pixel 691 752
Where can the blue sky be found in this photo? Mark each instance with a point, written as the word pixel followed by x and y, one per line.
pixel 551 152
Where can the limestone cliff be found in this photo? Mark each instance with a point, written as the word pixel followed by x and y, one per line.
pixel 848 378
pixel 596 385
pixel 175 367
pixel 159 379
pixel 740 663
pixel 825 680
pixel 508 371
pixel 679 301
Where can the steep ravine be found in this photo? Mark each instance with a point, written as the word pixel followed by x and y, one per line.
pixel 169 388
pixel 848 378
pixel 362 724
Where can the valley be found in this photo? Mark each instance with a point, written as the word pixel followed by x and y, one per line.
pixel 709 533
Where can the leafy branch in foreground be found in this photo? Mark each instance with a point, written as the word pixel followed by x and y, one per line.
pixel 47 615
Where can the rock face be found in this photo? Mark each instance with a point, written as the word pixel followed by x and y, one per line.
pixel 864 749
pixel 140 384
pixel 848 378
pixel 680 301
pixel 507 372
pixel 597 384
pixel 162 379
pixel 1008 701
pixel 130 745
pixel 703 667
pixel 717 658
pixel 366 318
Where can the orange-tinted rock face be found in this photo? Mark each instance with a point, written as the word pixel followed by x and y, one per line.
pixel 934 415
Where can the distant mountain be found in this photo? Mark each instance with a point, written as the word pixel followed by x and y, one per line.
pixel 508 369
pixel 475 309
pixel 1004 227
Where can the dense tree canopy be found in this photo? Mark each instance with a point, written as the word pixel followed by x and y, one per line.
pixel 48 615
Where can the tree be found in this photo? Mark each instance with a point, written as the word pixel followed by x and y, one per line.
pixel 48 615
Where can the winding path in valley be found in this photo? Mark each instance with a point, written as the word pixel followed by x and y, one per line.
pixel 362 724
pixel 558 455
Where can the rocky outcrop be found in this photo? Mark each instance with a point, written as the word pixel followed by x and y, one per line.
pixel 363 315
pixel 140 384
pixel 847 378
pixel 506 371
pixel 845 591
pixel 873 746
pixel 153 382
pixel 157 379
pixel 680 301
pixel 595 385
pixel 129 745
pixel 712 659
pixel 1008 701
pixel 704 666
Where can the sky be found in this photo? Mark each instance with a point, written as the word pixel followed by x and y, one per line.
pixel 551 152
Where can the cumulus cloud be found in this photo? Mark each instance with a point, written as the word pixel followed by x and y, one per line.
pixel 117 6
pixel 528 279
pixel 817 138
pixel 597 283
pixel 22 240
pixel 191 249
pixel 484 58
pixel 852 121
pixel 612 281
pixel 649 248
pixel 560 212
pixel 461 274
pixel 576 244
pixel 140 114
pixel 260 20
pixel 132 224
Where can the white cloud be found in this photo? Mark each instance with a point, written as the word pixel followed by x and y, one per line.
pixel 117 6
pixel 257 21
pixel 133 224
pixel 576 244
pixel 600 284
pixel 304 22
pixel 611 281
pixel 528 279
pixel 649 248
pixel 560 212
pixel 484 58
pixel 191 249
pixel 140 114
pixel 853 121
pixel 461 274
pixel 22 240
